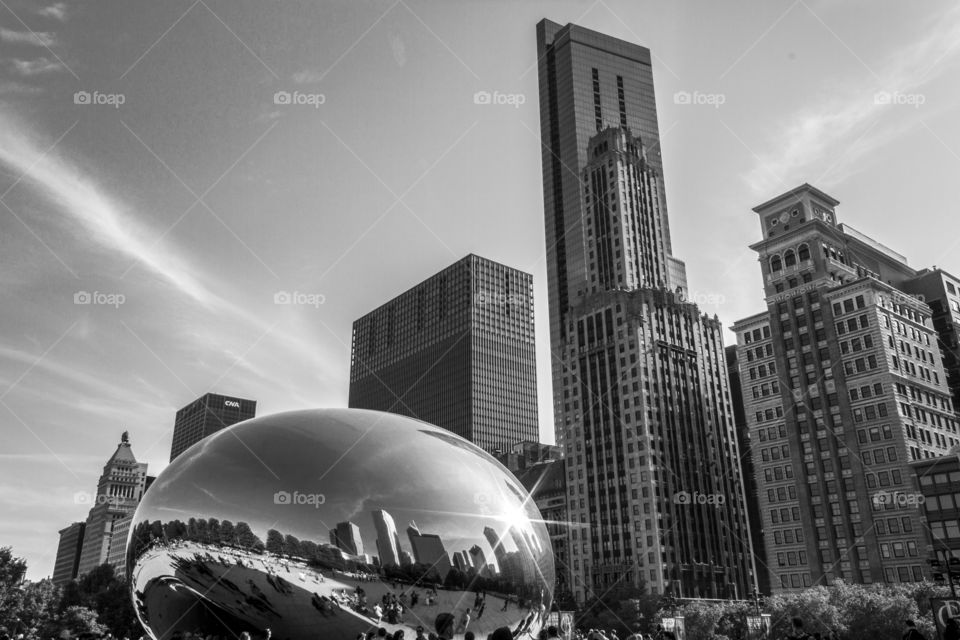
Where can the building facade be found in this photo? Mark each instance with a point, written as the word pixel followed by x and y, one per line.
pixel 388 541
pixel 939 481
pixel 119 490
pixel 746 463
pixel 843 385
pixel 457 351
pixel 346 536
pixel 546 483
pixel 117 551
pixel 642 398
pixel 206 415
pixel 588 81
pixel 68 554
pixel 941 292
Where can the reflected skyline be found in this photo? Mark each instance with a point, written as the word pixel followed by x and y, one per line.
pixel 300 518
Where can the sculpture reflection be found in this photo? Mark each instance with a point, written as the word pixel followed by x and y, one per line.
pixel 290 523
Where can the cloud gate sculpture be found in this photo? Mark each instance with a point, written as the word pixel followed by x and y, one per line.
pixel 330 523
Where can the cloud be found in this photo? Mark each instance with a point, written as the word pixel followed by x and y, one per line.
pixel 307 76
pixel 57 11
pixel 835 133
pixel 82 200
pixel 36 38
pixel 37 66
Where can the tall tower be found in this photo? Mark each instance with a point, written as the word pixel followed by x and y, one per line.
pixel 843 385
pixel 118 492
pixel 457 351
pixel 588 81
pixel 642 399
pixel 206 415
pixel 388 542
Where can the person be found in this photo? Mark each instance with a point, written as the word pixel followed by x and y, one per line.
pixel 469 636
pixel 501 633
pixel 912 633
pixel 797 632
pixel 952 630
pixel 420 635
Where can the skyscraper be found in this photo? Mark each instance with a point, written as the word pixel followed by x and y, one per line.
pixel 118 492
pixel 940 291
pixel 457 351
pixel 347 537
pixel 749 486
pixel 843 385
pixel 206 415
pixel 588 81
pixel 68 554
pixel 641 393
pixel 428 549
pixel 388 542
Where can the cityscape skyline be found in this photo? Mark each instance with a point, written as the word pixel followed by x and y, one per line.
pixel 52 356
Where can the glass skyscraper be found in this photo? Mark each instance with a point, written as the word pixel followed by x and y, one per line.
pixel 206 415
pixel 642 399
pixel 457 351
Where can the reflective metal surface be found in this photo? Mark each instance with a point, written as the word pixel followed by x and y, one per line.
pixel 325 524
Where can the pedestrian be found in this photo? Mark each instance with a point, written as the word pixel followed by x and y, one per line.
pixel 911 633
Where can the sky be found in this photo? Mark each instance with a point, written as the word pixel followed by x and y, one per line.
pixel 169 171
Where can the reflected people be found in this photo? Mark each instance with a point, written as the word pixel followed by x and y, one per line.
pixel 333 523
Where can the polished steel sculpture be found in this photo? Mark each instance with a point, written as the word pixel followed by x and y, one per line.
pixel 325 524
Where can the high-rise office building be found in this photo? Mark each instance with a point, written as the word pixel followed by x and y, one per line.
pixel 842 386
pixel 939 481
pixel 546 482
pixel 588 81
pixel 457 351
pixel 119 490
pixel 68 554
pixel 428 549
pixel 749 487
pixel 117 550
pixel 388 542
pixel 642 401
pixel 346 536
pixel 941 292
pixel 206 415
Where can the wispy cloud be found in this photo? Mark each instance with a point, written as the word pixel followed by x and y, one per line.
pixel 37 66
pixel 82 200
pixel 829 137
pixel 36 38
pixel 56 11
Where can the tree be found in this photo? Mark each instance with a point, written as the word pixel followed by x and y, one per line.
pixel 12 573
pixel 82 622
pixel 291 545
pixel 227 533
pixel 274 542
